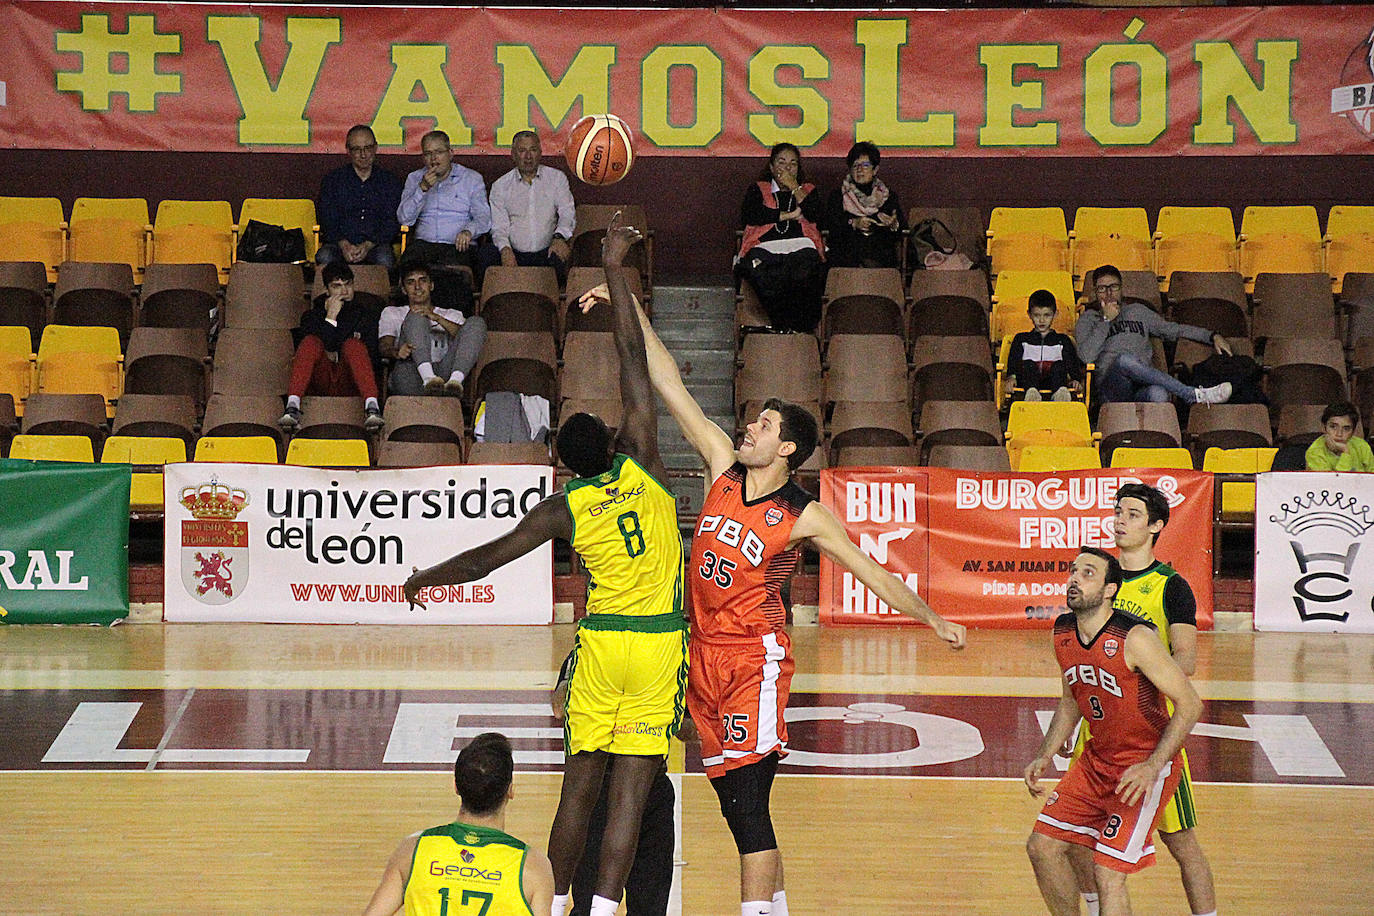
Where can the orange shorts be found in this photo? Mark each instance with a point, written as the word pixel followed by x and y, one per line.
pixel 737 693
pixel 1085 809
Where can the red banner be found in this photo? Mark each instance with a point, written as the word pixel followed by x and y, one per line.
pixel 1049 82
pixel 993 550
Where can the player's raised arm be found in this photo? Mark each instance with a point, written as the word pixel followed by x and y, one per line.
pixel 638 434
pixel 1066 716
pixel 820 526
pixel 550 519
pixel 1147 655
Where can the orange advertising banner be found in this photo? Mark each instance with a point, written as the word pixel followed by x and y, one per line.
pixel 993 550
pixel 1041 82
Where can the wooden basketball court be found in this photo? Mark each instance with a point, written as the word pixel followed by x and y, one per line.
pixel 155 768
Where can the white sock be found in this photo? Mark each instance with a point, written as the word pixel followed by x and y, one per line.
pixel 560 904
pixel 601 906
pixel 371 403
pixel 426 371
pixel 293 400
pixel 756 908
pixel 457 377
pixel 1091 901
pixel 780 904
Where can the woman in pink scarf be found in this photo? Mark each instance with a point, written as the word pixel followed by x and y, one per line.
pixel 863 215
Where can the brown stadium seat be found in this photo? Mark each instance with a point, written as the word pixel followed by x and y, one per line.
pixel 179 296
pixel 965 223
pixel 863 300
pixel 509 453
pixel 1304 371
pixel 951 369
pixel 1357 303
pixel 521 361
pixel 244 415
pixel 786 366
pixel 866 367
pixel 590 379
pixel 423 419
pixel 598 318
pixel 162 415
pixel 958 423
pixel 167 361
pixel 905 456
pixel 854 416
pixel 520 299
pixel 1225 285
pixel 592 220
pixel 331 418
pixel 91 294
pixel 1228 426
pixel 9 423
pixel 252 361
pixel 397 453
pixel 66 415
pixel 264 296
pixel 1292 305
pixel 1137 424
pixel 969 457
pixel 949 303
pixel 23 285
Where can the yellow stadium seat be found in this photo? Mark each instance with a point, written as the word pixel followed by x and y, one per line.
pixel 145 492
pixel 1349 243
pixel 52 448
pixel 1028 238
pixel 194 232
pixel 110 230
pixel 1238 498
pixel 1132 457
pixel 33 229
pixel 1119 236
pixel 1005 376
pixel 1283 240
pixel 18 366
pixel 1194 238
pixel 328 453
pixel 1047 423
pixel 289 213
pixel 243 449
pixel 81 360
pixel 1057 458
pixel 1013 289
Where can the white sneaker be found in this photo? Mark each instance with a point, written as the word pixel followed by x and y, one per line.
pixel 1061 393
pixel 1217 394
pixel 1032 394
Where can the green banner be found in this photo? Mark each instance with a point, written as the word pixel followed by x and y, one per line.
pixel 64 542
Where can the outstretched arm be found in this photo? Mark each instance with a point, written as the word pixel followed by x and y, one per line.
pixel 638 436
pixel 820 526
pixel 550 519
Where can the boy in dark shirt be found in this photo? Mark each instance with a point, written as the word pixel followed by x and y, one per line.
pixel 1042 359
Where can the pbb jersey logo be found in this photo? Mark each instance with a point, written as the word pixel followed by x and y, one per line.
pixel 214 546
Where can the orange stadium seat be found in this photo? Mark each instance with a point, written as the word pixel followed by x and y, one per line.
pixel 33 229
pixel 1349 242
pixel 1028 238
pixel 18 365
pixel 1194 238
pixel 52 448
pixel 287 212
pixel 111 230
pixel 145 491
pixel 194 232
pixel 80 360
pixel 1279 240
pixel 1119 236
pixel 1013 289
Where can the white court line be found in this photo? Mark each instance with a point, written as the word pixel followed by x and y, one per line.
pixel 542 679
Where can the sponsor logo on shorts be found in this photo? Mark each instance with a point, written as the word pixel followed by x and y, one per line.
pixel 1110 647
pixel 640 728
pixel 772 516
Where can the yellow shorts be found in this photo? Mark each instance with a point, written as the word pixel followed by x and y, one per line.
pixel 1179 813
pixel 627 686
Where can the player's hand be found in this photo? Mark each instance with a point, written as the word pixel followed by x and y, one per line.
pixel 1032 776
pixel 953 633
pixel 687 731
pixel 618 242
pixel 463 241
pixel 412 591
pixel 1136 781
pixel 588 300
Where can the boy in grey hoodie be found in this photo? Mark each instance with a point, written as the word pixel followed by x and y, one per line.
pixel 1116 337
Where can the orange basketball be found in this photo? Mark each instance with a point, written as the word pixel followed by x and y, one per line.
pixel 600 149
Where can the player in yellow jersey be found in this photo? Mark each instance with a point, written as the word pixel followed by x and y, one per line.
pixel 1155 591
pixel 629 671
pixel 470 867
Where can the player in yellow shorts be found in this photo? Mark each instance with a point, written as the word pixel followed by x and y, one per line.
pixel 471 865
pixel 1155 591
pixel 629 670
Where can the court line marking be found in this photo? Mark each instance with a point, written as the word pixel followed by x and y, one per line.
pixel 171 727
pixel 542 679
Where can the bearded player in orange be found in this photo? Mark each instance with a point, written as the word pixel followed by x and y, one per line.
pixel 746 545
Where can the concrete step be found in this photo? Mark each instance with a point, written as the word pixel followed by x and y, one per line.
pixel 697 330
pixel 687 300
pixel 705 365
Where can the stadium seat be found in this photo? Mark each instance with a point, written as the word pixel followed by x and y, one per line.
pixel 1028 238
pixel 1012 291
pixel 33 229
pixel 95 295
pixel 66 414
pixel 252 361
pixel 1357 305
pixel 264 296
pixel 863 300
pixel 951 369
pixel 324 417
pixel 948 302
pixel 244 415
pixel 1131 457
pixel 787 366
pixel 423 419
pixel 1279 240
pixel 592 220
pixel 1225 285
pixel 1137 424
pixel 18 365
pixel 1304 371
pixel 1349 242
pixel 965 224
pixel 1292 305
pixel 520 299
pixel 749 311
pixel 1363 381
pixel 289 213
pixel 590 379
pixel 958 423
pixel 509 453
pixel 52 447
pixel 521 361
pixel 1141 286
pixel 1005 383
pixel 1195 239
pixel 902 456
pixel 110 230
pixel 9 423
pixel 1047 423
pixel 145 491
pixel 866 367
pixel 396 453
pixel 581 279
pixel 244 449
pixel 970 457
pixel 23 301
pixel 81 360
pixel 160 415
pixel 859 419
pixel 1041 458
pixel 167 361
pixel 328 453
pixel 194 232
pixel 1238 498
pixel 1119 236
pixel 1228 426
pixel 179 296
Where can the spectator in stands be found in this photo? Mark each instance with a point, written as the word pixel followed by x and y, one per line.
pixel 333 357
pixel 863 215
pixel 1116 337
pixel 445 206
pixel 782 255
pixel 434 347
pixel 358 206
pixel 531 212
pixel 1338 448
pixel 1042 359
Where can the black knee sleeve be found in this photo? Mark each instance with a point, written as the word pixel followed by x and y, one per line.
pixel 743 794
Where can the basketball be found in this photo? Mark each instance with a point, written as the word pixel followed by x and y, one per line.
pixel 600 149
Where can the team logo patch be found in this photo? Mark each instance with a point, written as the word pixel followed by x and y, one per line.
pixel 466 856
pixel 1354 97
pixel 1054 797
pixel 471 839
pixel 1109 647
pixel 214 547
pixel 772 516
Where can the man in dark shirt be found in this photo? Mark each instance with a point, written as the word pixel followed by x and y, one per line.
pixel 333 357
pixel 358 207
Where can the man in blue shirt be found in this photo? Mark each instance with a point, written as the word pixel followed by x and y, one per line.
pixel 358 206
pixel 445 206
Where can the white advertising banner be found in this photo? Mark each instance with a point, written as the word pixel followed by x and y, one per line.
pixel 282 544
pixel 1314 553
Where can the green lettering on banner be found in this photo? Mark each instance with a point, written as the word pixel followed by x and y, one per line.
pixel 64 542
pixel 524 80
pixel 1267 105
pixel 273 116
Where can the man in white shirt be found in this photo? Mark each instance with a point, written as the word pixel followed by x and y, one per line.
pixel 434 348
pixel 531 212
